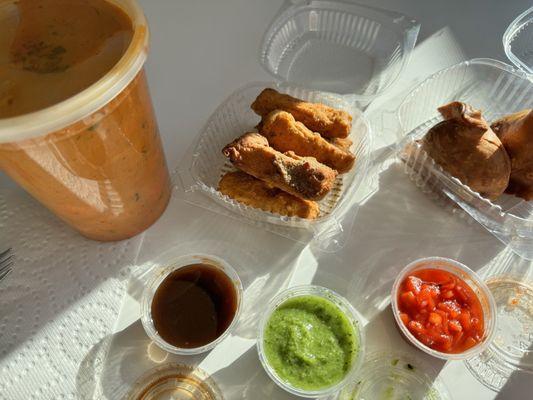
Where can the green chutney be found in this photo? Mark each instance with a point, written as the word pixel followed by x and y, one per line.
pixel 310 343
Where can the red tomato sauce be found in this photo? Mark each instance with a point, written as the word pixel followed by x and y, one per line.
pixel 441 310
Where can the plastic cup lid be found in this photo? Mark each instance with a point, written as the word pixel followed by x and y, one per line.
pixel 175 382
pixel 395 376
pixel 512 347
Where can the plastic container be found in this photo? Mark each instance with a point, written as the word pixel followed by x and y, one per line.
pixel 495 88
pixel 233 116
pixel 339 47
pixel 95 159
pixel 160 274
pixel 344 306
pixel 518 41
pixel 395 375
pixel 511 350
pixel 338 53
pixel 471 279
pixel 175 381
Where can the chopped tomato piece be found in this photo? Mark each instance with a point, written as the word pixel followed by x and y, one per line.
pixel 448 286
pixel 470 342
pixel 465 320
pixel 441 310
pixel 448 294
pixel 413 284
pixel 416 326
pixel 453 325
pixel 451 307
pixel 408 298
pixel 435 319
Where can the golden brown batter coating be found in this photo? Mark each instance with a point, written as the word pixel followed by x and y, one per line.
pixel 258 194
pixel 284 133
pixel 304 177
pixel 342 143
pixel 327 121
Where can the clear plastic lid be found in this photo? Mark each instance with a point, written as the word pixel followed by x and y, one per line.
pixel 394 376
pixel 338 47
pixel 518 41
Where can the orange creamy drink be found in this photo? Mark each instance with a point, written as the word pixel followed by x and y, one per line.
pixel 77 127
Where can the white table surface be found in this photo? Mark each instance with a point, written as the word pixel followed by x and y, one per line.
pixel 201 52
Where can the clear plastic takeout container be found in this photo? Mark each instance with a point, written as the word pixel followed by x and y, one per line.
pixel 339 47
pixel 332 52
pixel 495 88
pixel 481 290
pixel 234 117
pixel 518 41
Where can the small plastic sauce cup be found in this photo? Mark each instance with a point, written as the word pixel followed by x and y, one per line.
pixel 471 279
pixel 96 159
pixel 345 307
pixel 156 280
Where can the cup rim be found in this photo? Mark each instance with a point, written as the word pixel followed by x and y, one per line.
pixel 344 305
pixel 94 97
pixel 488 304
pixel 160 273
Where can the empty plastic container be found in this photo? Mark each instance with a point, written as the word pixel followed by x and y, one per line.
pixel 339 47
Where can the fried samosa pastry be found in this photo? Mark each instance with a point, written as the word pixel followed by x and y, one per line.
pixel 516 133
pixel 465 146
pixel 303 177
pixel 284 134
pixel 327 121
pixel 258 194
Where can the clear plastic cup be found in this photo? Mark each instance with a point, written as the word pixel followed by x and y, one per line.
pixel 159 276
pixel 175 381
pixel 476 284
pixel 395 375
pixel 96 159
pixel 344 305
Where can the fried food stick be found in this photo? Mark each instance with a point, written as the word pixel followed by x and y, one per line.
pixel 327 121
pixel 258 194
pixel 284 133
pixel 304 177
pixel 341 143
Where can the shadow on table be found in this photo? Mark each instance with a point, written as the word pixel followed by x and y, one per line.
pixel 247 248
pixel 520 382
pixel 129 353
pixel 247 380
pixel 395 225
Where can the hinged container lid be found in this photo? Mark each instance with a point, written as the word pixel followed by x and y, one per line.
pixel 338 47
pixel 518 41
